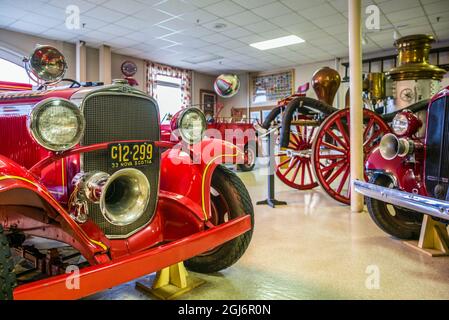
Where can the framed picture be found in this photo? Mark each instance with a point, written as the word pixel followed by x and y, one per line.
pixel 268 88
pixel 208 102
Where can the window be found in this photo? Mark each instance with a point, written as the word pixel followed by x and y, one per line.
pixel 12 72
pixel 169 95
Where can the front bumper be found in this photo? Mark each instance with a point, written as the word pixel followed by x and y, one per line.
pixel 433 207
pixel 100 277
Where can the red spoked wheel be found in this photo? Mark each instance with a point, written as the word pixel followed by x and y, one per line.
pixel 294 164
pixel 330 155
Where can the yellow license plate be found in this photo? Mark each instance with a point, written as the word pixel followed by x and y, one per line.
pixel 128 155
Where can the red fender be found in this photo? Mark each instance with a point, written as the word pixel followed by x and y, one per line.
pixel 189 174
pixel 13 177
pixel 406 174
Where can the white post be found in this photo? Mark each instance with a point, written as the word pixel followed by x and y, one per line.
pixel 356 109
pixel 105 64
pixel 81 65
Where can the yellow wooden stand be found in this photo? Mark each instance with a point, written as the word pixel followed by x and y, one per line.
pixel 433 240
pixel 170 283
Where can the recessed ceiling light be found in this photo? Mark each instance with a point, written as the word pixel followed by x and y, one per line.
pixel 277 43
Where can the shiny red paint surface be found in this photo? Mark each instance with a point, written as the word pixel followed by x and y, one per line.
pixel 14 86
pixel 96 278
pixel 414 123
pixel 410 175
pixel 31 176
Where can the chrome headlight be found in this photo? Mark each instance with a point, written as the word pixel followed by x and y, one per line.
pixel 191 124
pixel 57 124
pixel 400 124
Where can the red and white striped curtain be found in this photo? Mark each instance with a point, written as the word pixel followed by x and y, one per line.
pixel 154 69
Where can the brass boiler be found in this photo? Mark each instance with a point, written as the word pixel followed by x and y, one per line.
pixel 413 59
pixel 375 85
pixel 414 79
pixel 325 83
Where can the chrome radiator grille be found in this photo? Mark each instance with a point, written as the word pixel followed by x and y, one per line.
pixel 113 117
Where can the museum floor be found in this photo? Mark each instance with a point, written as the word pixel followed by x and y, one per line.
pixel 314 248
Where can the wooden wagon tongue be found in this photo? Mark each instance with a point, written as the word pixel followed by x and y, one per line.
pixel 325 83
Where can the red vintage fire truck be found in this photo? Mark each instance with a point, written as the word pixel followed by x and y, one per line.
pixel 85 167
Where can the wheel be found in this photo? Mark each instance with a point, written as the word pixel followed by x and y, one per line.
pixel 330 150
pixel 7 276
pixel 293 164
pixel 398 222
pixel 229 200
pixel 250 159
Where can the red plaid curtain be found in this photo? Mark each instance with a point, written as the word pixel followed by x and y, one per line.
pixel 154 69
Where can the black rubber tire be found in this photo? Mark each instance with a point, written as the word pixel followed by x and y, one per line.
pixel 248 167
pixel 237 197
pixel 7 276
pixel 407 230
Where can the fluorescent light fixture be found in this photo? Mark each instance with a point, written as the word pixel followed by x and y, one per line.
pixel 277 43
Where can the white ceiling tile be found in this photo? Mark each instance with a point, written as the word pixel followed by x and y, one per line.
pixel 102 36
pixel 138 36
pixel 398 5
pixel 38 20
pixel 330 21
pixel 405 15
pixel 128 7
pixel 133 23
pixel 11 11
pixel 27 27
pixel 236 33
pixel 323 10
pixel 216 38
pixel 336 29
pixel 5 20
pixel 203 3
pixel 288 19
pixel 81 4
pixel 53 12
pixel 115 30
pixel 437 7
pixel 152 15
pixel 176 24
pixel 104 14
pixel 121 42
pixel 251 39
pixel 261 27
pixel 224 8
pixel 25 4
pixel 250 4
pixel 301 28
pixel 198 32
pixel 271 10
pixel 244 18
pixel 299 5
pixel 198 17
pixel 233 44
pixel 58 34
pixel 175 7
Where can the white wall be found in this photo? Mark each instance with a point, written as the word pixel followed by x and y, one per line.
pixel 201 81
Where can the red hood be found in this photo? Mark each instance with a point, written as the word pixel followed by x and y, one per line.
pixel 34 96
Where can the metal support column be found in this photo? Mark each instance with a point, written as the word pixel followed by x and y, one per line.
pixel 356 112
